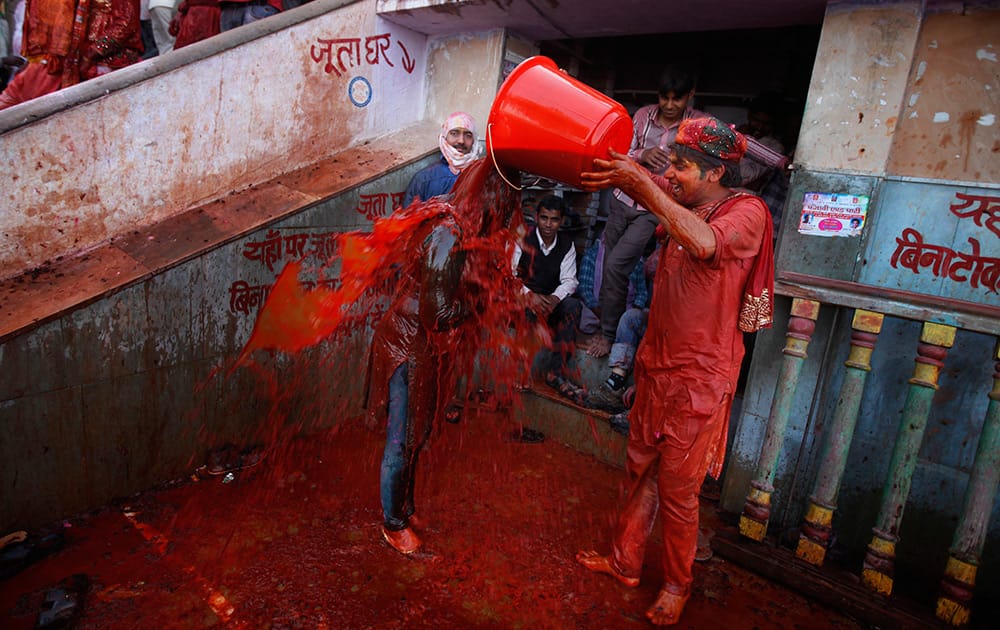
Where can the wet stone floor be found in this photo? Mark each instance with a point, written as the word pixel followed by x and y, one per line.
pixel 294 542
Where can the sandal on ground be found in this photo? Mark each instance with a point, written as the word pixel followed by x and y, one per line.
pixel 527 435
pixel 566 388
pixel 228 458
pixel 62 604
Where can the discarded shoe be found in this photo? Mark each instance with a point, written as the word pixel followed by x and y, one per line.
pixel 605 399
pixel 619 423
pixel 405 541
pixel 228 458
pixel 63 603
pixel 527 436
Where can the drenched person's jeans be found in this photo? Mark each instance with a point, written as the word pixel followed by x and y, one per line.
pixel 399 461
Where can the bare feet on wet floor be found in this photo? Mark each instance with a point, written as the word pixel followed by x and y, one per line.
pixel 602 564
pixel 667 609
pixel 600 346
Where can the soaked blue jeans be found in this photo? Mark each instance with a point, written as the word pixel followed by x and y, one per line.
pixel 631 328
pixel 399 460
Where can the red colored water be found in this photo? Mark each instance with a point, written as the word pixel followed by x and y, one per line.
pixel 374 267
pixel 295 543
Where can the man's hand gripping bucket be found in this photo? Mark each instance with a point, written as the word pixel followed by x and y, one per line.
pixel 545 122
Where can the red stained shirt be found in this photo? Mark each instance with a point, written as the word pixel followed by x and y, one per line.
pixel 689 360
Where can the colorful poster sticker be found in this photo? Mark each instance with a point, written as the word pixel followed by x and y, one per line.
pixel 832 214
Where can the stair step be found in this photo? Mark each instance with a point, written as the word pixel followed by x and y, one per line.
pixel 584 430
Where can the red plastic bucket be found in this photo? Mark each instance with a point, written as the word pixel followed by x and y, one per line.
pixel 545 122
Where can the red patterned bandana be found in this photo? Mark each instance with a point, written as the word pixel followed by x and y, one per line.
pixel 712 137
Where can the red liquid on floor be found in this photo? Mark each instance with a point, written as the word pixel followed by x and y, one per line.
pixel 295 543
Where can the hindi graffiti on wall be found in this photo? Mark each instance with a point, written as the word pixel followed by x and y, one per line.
pixel 984 210
pixel 974 266
pixel 280 246
pixel 339 54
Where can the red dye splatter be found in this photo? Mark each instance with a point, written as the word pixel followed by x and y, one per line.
pixel 378 267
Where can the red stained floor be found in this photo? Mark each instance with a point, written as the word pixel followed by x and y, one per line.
pixel 295 543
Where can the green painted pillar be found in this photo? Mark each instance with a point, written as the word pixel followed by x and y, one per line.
pixel 757 508
pixel 959 579
pixel 814 536
pixel 880 557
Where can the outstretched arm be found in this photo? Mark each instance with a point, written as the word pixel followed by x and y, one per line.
pixel 681 224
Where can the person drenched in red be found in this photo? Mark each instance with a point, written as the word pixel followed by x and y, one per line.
pixel 424 340
pixel 714 281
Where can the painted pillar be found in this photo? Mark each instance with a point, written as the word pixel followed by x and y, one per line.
pixel 815 533
pixel 967 546
pixel 877 571
pixel 757 509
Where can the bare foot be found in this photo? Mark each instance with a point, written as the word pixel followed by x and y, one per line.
pixel 602 564
pixel 600 346
pixel 667 609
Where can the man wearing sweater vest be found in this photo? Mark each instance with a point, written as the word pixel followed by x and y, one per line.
pixel 546 264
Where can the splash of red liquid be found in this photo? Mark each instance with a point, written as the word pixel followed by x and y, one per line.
pixel 497 339
pixel 294 317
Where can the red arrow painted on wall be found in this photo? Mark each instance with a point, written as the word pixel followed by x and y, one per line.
pixel 408 63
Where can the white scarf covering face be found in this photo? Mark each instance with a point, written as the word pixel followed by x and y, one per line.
pixel 456 159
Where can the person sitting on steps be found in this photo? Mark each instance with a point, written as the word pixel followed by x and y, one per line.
pixel 545 262
pixel 631 327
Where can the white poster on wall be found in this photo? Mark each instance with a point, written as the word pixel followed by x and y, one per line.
pixel 833 214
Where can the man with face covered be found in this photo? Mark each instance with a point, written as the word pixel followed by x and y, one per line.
pixel 458 149
pixel 714 281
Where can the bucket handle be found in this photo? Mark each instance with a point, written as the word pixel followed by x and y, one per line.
pixel 489 148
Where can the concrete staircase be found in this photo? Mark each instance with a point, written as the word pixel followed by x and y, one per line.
pixel 585 430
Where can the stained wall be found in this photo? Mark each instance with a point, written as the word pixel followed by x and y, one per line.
pixel 130 384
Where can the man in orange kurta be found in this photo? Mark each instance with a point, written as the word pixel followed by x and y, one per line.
pixel 714 281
